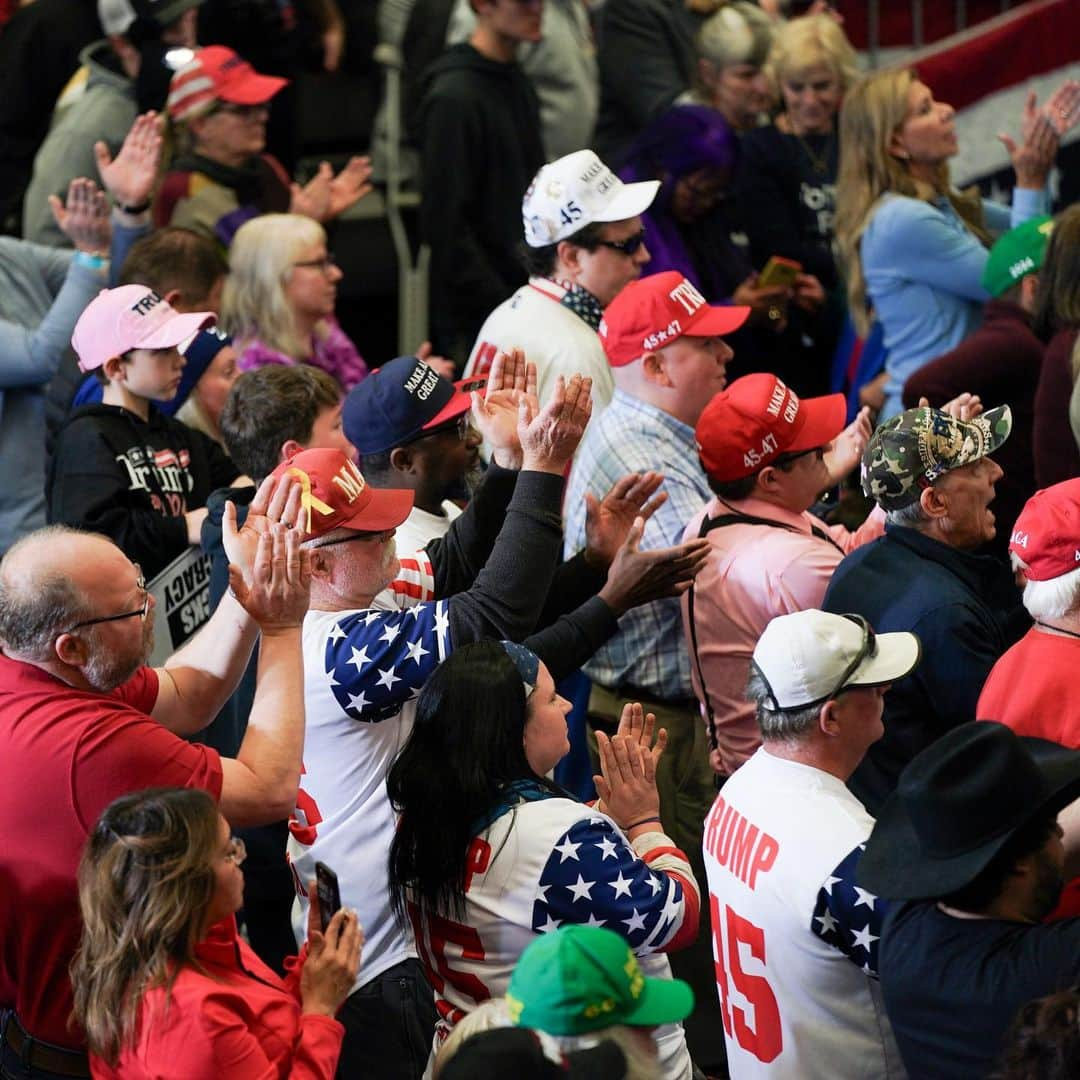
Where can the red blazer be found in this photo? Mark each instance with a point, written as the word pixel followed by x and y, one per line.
pixel 238 1019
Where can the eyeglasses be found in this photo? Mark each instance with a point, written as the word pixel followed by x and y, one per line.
pixel 236 852
pixel 325 264
pixel 868 648
pixel 630 246
pixel 785 461
pixel 460 428
pixel 140 583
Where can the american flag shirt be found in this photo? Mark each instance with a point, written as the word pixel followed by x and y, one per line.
pixel 363 671
pixel 794 938
pixel 542 863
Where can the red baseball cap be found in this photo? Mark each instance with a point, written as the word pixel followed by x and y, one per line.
pixel 756 419
pixel 218 74
pixel 655 311
pixel 336 496
pixel 1046 535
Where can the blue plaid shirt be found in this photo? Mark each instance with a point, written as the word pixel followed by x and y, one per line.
pixel 632 436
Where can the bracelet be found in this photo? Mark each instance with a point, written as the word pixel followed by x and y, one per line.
pixel 141 208
pixel 92 260
pixel 643 821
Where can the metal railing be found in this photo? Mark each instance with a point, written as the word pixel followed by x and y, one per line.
pixel 873 22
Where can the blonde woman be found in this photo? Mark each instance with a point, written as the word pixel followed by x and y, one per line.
pixel 164 985
pixel 914 248
pixel 279 299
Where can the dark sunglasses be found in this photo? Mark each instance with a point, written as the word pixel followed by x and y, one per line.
pixel 630 246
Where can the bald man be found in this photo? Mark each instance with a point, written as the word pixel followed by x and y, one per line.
pixel 83 720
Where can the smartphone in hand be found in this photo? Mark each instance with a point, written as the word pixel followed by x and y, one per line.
pixel 326 883
pixel 779 271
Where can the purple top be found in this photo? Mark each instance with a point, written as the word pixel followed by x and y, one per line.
pixel 335 354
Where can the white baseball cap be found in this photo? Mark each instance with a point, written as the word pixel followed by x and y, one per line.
pixel 576 190
pixel 810 656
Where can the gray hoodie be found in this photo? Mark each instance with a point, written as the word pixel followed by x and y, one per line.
pixel 105 110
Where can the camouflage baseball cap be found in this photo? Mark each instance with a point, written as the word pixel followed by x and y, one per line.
pixel 910 451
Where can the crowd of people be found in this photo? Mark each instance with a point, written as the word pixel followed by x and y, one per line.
pixel 611 687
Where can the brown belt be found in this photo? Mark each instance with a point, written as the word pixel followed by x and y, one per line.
pixel 35 1054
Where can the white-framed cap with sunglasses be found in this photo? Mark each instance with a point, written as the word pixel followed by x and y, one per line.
pixel 576 190
pixel 810 656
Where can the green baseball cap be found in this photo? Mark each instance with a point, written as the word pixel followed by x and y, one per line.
pixel 1016 254
pixel 579 979
pixel 910 451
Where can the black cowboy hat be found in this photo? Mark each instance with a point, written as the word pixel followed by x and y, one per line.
pixel 957 804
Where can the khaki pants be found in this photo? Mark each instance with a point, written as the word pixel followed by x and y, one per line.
pixel 687 787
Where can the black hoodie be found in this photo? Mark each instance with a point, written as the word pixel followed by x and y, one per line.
pixel 479 126
pixel 133 479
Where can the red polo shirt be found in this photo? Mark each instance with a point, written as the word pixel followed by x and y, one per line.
pixel 66 755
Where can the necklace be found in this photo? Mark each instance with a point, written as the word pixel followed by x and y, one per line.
pixel 1058 629
pixel 818 162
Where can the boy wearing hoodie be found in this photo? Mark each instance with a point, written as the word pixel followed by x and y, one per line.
pixel 124 468
pixel 479 128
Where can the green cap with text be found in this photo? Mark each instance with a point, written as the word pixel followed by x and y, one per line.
pixel 579 979
pixel 1016 254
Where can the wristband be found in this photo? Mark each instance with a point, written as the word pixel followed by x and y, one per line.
pixel 92 260
pixel 141 208
pixel 644 821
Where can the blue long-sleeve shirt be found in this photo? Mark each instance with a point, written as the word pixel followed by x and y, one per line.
pixel 923 270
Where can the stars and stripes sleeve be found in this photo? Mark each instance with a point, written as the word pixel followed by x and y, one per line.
pixel 594 877
pixel 849 918
pixel 415 581
pixel 376 661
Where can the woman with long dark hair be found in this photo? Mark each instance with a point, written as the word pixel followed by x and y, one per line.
pixel 164 985
pixel 489 852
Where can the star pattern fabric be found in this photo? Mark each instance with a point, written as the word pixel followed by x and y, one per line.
pixel 583 304
pixel 376 661
pixel 593 877
pixel 850 918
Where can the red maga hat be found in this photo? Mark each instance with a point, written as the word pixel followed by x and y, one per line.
pixel 655 311
pixel 1046 535
pixel 756 419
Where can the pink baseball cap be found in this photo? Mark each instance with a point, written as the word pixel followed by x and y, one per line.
pixel 657 310
pixel 756 419
pixel 218 74
pixel 1046 535
pixel 131 317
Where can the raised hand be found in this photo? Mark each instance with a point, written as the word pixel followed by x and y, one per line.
pixel 608 521
pixel 495 411
pixel 627 781
pixel 1062 107
pixel 639 577
pixel 129 178
pixel 962 407
pixel 84 218
pixel 275 501
pixel 1034 157
pixel 279 590
pixel 847 448
pixel 549 436
pixel 350 185
pixel 313 199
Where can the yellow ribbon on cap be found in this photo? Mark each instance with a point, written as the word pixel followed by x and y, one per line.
pixel 307 500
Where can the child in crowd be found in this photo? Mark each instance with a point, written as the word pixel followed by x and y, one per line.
pixel 124 468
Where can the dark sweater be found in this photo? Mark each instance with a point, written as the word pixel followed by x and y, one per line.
pixel 1057 457
pixel 1000 362
pixel 787 206
pixel 965 610
pixel 133 480
pixel 479 125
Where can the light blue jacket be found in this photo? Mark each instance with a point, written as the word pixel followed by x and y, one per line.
pixel 43 291
pixel 923 271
